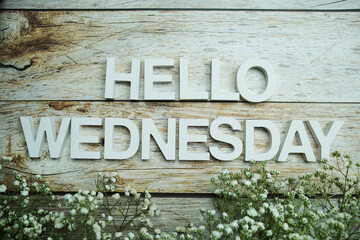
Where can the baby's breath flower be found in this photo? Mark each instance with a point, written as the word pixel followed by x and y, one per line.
pixel 216 235
pixel 131 235
pixel 246 182
pixel 220 226
pixel 84 210
pixel 2 188
pixel 211 212
pixel 233 183
pixel 24 193
pixel 252 212
pixel 73 212
pixel 6 158
pixel 116 196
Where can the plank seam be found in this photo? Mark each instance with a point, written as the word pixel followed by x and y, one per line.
pixel 183 10
pixel 186 195
pixel 177 101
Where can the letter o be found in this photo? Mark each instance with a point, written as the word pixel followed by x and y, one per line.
pixel 270 77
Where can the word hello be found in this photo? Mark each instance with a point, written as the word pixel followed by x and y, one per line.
pixel 296 129
pixel 216 93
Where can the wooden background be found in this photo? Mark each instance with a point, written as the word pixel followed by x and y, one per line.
pixel 53 59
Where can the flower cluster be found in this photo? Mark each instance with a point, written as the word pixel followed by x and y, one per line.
pixel 22 215
pixel 254 204
pixel 251 204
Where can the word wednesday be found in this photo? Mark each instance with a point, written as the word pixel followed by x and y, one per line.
pixel 296 128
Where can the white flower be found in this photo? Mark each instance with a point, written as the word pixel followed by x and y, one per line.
pixel 157 231
pixel 216 234
pixel 234 224
pixel 37 176
pixel 220 226
pixel 84 210
pixel 256 177
pixel 211 212
pixel 274 211
pixel 97 230
pixel 116 196
pixel 2 188
pixel 100 195
pixel 73 212
pixel 131 235
pixel 217 191
pixel 24 193
pixel 103 224
pixel 261 210
pixel 233 183
pixel 246 182
pixel 228 230
pixel 58 223
pixel 147 194
pixel 180 229
pixel 286 226
pixel 261 225
pixel 269 233
pixel 118 234
pixel 6 158
pixel 133 191
pixel 201 229
pixel 252 212
pixel 110 218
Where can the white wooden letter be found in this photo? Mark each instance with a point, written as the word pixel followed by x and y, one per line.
pixel 110 124
pixel 112 76
pixel 149 129
pixel 185 138
pixel 324 140
pixel 274 135
pixel 296 126
pixel 77 138
pixel 234 141
pixel 270 76
pixel 35 143
pixel 150 79
pixel 184 81
pixel 216 92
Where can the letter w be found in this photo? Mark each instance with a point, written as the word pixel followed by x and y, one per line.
pixel 35 143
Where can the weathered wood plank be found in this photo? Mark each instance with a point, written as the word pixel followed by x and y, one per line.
pixel 187 4
pixel 157 174
pixel 175 211
pixel 59 55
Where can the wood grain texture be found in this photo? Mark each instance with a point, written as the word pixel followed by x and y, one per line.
pixel 60 55
pixel 174 212
pixel 157 174
pixel 177 4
